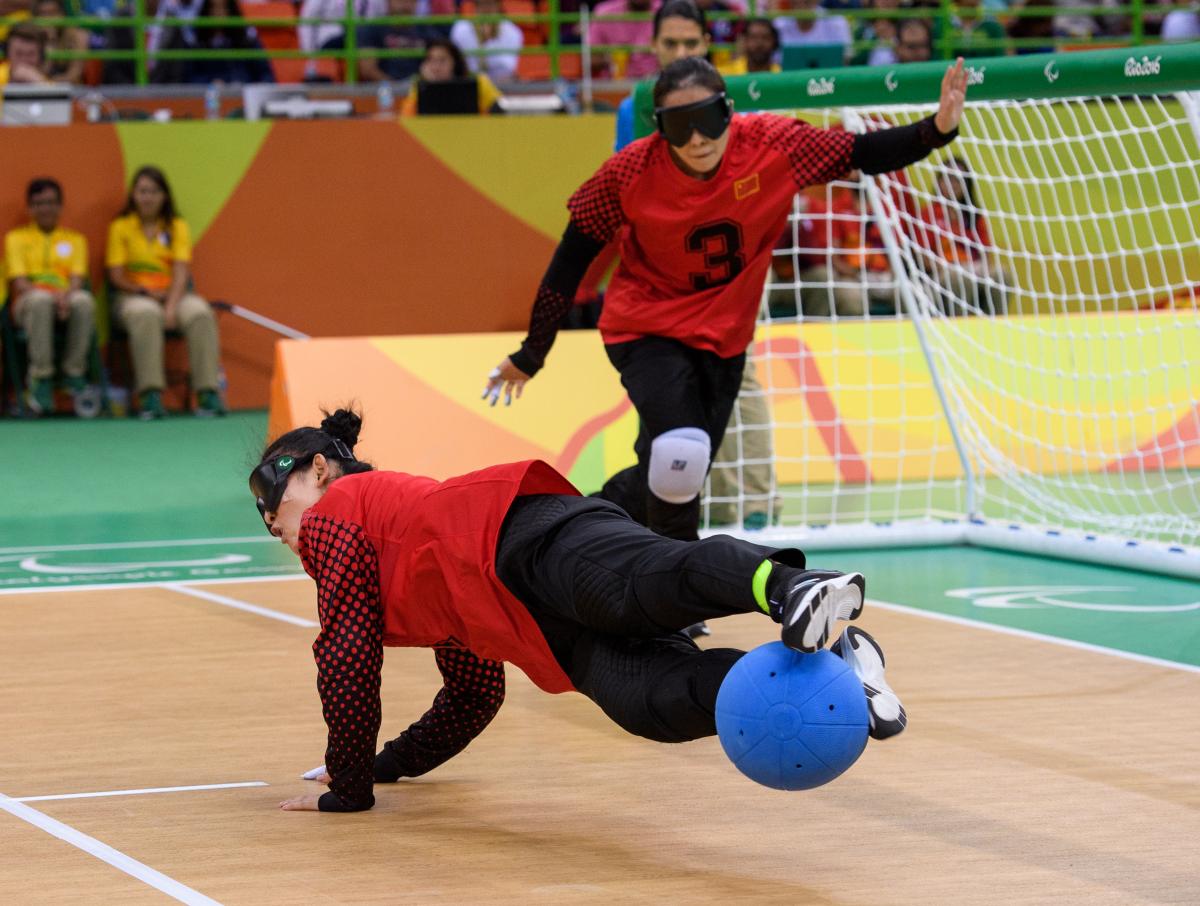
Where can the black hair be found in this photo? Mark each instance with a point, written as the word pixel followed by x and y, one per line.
pixel 237 36
pixel 335 439
pixel 680 9
pixel 460 62
pixel 685 73
pixel 40 185
pixel 957 167
pixel 766 23
pixel 156 176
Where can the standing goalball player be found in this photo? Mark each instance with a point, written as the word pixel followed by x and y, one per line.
pixel 510 564
pixel 698 207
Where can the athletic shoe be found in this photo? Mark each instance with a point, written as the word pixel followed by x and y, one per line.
pixel 697 629
pixel 815 602
pixel 85 399
pixel 208 404
pixel 150 405
pixel 864 655
pixel 40 396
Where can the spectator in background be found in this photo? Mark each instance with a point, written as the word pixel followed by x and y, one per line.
pixel 330 35
pixel 170 37
pixel 61 37
pixel 443 62
pixel 227 37
pixel 880 34
pixel 914 41
pixel 954 229
pixel 1182 25
pixel 149 266
pixel 722 31
pixel 1023 27
pixel 471 35
pixel 394 37
pixel 975 32
pixel 623 64
pixel 824 29
pixel 760 43
pixel 47 273
pixel 1082 25
pixel 24 56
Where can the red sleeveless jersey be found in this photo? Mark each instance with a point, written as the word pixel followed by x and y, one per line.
pixel 696 252
pixel 436 547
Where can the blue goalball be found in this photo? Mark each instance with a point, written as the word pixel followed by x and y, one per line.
pixel 791 721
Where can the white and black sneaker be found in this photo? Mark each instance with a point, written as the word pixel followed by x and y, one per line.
pixel 815 602
pixel 697 630
pixel 865 657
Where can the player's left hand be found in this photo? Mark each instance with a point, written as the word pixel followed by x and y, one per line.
pixel 507 377
pixel 954 95
pixel 301 804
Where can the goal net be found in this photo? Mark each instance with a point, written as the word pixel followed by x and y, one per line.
pixel 1000 344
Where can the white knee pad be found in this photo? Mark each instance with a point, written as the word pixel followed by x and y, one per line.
pixel 678 464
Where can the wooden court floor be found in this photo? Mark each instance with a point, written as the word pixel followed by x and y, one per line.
pixel 1030 773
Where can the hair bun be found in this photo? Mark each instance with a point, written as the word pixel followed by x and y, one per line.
pixel 343 425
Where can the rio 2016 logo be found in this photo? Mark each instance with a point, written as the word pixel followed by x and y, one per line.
pixel 821 86
pixel 1143 67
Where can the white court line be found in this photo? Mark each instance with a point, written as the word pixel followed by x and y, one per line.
pixel 240 605
pixel 1036 636
pixel 155 789
pixel 110 586
pixel 106 853
pixel 123 545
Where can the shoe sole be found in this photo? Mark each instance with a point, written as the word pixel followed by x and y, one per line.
pixel 887 716
pixel 839 598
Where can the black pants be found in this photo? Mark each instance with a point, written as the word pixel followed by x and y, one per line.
pixel 611 596
pixel 671 385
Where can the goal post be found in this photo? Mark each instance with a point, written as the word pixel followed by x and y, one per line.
pixel 1001 344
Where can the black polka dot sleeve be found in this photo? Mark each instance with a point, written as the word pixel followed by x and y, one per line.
pixel 816 155
pixel 349 654
pixel 472 693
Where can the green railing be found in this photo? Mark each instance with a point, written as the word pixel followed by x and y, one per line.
pixel 553 21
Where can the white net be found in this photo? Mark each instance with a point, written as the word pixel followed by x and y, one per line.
pixel 1038 281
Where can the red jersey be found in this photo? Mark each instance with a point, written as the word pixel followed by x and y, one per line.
pixel 435 543
pixel 695 252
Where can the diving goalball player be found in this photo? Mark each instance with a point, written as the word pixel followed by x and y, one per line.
pixel 510 563
pixel 697 208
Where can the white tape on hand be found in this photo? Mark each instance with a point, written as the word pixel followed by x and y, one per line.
pixel 492 390
pixel 314 773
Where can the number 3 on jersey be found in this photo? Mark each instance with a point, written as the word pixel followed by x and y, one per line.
pixel 720 242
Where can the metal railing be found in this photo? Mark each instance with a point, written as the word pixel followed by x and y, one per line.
pixel 553 20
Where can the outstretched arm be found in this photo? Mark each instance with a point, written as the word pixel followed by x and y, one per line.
pixel 470 698
pixel 888 150
pixel 556 293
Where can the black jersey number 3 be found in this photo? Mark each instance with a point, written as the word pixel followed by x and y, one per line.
pixel 720 242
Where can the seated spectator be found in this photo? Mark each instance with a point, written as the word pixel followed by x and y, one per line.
pixel 722 31
pixel 760 43
pixel 914 41
pixel 47 273
pixel 1021 27
pixel 24 56
pixel 149 266
pixel 623 64
pixel 61 37
pixel 1082 25
pixel 394 37
pixel 964 262
pixel 854 276
pixel 165 37
pixel 1182 25
pixel 330 35
pixel 444 62
pixel 880 34
pixel 825 29
pixel 227 71
pixel 975 32
pixel 471 35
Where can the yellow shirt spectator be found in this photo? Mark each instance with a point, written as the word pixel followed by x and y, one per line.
pixel 3 73
pixel 148 262
pixel 47 260
pixel 738 67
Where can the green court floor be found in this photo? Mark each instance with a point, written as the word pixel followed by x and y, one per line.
pixel 120 501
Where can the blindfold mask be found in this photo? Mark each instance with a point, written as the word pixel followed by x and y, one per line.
pixel 710 117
